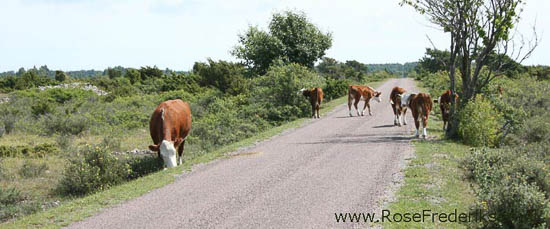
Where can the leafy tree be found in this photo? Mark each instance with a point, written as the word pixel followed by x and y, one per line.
pixel 21 71
pixel 61 76
pixel 226 76
pixel 133 75
pixel 291 38
pixel 114 73
pixel 478 28
pixel 434 60
pixel 150 72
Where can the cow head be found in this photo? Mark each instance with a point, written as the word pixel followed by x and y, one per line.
pixel 304 92
pixel 405 97
pixel 377 96
pixel 167 150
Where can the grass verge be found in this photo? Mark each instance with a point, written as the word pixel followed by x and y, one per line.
pixel 433 181
pixel 81 208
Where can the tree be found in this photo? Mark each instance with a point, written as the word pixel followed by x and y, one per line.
pixel 133 75
pixel 291 38
pixel 114 72
pixel 61 76
pixel 225 76
pixel 150 72
pixel 477 28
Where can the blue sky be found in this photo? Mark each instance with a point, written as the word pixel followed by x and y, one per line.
pixel 86 34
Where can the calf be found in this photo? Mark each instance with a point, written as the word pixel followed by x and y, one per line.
pixel 398 110
pixel 445 105
pixel 366 93
pixel 315 96
pixel 420 105
pixel 169 126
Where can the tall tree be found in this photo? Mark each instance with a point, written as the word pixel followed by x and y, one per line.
pixel 292 38
pixel 478 28
pixel 61 76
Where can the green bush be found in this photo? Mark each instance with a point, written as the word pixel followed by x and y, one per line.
pixel 30 169
pixel 143 165
pixel 514 203
pixel 65 124
pixel 97 169
pixel 335 88
pixel 279 88
pixel 479 123
pixel 37 151
pixel 13 204
pixel 10 196
pixel 512 186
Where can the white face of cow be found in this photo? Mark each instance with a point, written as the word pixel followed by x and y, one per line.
pixel 405 99
pixel 168 153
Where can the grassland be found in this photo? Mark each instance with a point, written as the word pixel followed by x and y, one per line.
pixel 72 210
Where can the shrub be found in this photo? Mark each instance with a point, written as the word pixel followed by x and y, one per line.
pixel 13 204
pixel 144 165
pixel 512 187
pixel 97 169
pixel 41 108
pixel 514 203
pixel 479 123
pixel 30 169
pixel 40 150
pixel 279 88
pixel 335 88
pixel 10 196
pixel 72 124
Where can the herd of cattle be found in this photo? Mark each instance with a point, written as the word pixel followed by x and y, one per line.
pixel 171 121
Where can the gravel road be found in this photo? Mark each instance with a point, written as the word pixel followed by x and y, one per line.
pixel 298 179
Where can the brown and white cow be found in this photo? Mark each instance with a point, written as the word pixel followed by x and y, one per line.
pixel 445 105
pixel 420 105
pixel 366 93
pixel 315 96
pixel 169 126
pixel 398 110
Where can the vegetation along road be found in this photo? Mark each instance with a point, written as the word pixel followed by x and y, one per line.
pixel 299 179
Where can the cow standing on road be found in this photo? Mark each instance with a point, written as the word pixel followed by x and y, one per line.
pixel 169 126
pixel 366 93
pixel 420 105
pixel 398 110
pixel 315 96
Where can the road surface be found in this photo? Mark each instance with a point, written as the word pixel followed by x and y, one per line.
pixel 298 179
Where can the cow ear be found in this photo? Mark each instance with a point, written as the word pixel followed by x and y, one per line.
pixel 154 148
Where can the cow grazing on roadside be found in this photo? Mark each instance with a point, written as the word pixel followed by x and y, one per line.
pixel 366 93
pixel 169 126
pixel 315 96
pixel 420 105
pixel 398 110
pixel 445 105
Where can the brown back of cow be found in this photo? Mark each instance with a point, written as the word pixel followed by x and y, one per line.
pixel 315 96
pixel 170 121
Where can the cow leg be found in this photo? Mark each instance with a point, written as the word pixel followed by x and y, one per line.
pixel 355 105
pixel 318 108
pixel 368 105
pixel 180 152
pixel 416 122
pixel 395 115
pixel 404 116
pixel 349 106
pixel 424 125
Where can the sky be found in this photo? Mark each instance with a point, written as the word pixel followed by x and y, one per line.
pixel 96 34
